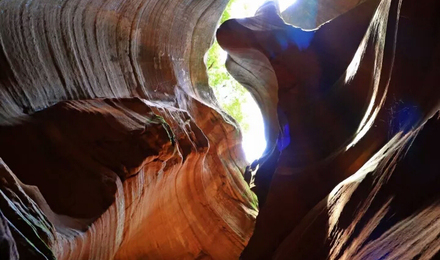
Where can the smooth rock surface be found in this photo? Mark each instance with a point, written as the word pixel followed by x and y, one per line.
pixel 356 85
pixel 113 146
pixel 112 132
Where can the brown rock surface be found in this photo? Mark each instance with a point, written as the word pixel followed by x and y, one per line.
pixel 113 146
pixel 354 86
pixel 112 134
pixel 118 181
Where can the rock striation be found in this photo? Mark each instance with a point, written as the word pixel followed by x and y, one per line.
pixel 113 146
pixel 347 100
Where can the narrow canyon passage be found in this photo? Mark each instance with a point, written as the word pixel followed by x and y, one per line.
pixel 113 144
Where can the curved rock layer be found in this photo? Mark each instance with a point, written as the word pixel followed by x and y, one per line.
pixel 349 99
pixel 113 146
pixel 127 179
pixel 53 51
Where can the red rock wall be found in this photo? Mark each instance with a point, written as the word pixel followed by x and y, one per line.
pixel 348 97
pixel 112 145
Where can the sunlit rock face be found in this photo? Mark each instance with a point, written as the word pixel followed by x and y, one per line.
pixel 112 146
pixel 342 105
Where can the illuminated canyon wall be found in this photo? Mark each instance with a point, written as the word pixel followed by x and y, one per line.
pixel 351 173
pixel 113 146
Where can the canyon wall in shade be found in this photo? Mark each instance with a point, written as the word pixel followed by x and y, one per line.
pixel 113 145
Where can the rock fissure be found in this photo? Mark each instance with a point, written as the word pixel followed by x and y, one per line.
pixel 113 146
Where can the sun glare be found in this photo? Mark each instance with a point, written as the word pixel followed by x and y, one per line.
pixel 254 141
pixel 247 8
pixel 233 98
pixel 284 4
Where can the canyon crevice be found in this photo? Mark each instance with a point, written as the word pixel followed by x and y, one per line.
pixel 113 145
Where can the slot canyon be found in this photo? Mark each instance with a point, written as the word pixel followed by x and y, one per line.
pixel 114 146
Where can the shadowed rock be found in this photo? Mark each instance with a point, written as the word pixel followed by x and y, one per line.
pixel 108 122
pixel 114 147
pixel 342 92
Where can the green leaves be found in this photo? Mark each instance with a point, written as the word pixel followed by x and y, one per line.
pixel 230 94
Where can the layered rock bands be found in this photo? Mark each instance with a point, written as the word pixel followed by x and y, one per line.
pixel 113 145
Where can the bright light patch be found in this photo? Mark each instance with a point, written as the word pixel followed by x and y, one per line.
pixel 247 8
pixel 230 94
pixel 284 4
pixel 254 141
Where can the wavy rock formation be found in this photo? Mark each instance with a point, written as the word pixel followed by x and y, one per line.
pixel 349 97
pixel 113 146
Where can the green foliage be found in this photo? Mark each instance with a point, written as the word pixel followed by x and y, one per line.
pixel 227 13
pixel 230 94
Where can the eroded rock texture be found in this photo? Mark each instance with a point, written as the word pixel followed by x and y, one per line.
pixel 350 98
pixel 112 145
